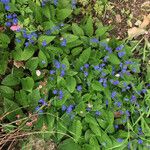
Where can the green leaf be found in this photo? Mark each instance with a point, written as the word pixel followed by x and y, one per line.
pixel 21 98
pixel 4 40
pixel 83 58
pixel 95 128
pixel 77 30
pixel 3 62
pixel 32 63
pixel 70 84
pixel 101 31
pixel 10 80
pixel 27 53
pixel 88 28
pixel 42 59
pixel 114 59
pixel 27 84
pixel 7 92
pixel 97 86
pixel 76 51
pixel 63 13
pixel 91 120
pixel 46 38
pixel 70 37
pixel 77 129
pixel 68 144
pixel 12 109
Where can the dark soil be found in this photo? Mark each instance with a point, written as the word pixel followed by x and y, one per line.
pixel 119 18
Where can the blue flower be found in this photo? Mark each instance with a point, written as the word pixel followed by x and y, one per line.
pixel 55 92
pixel 86 65
pixel 52 72
pixel 64 107
pixel 55 2
pixel 18 40
pixel 5 1
pixel 119 47
pixel 9 16
pixel 79 88
pixel 121 54
pixel 97 113
pixel 62 73
pixel 64 42
pixel 119 140
pixel 88 109
pixel 61 94
pixel 74 4
pixel 105 58
pixel 26 44
pixel 108 49
pixel 96 67
pixel 116 82
pixel 14 15
pixel 48 32
pixel 94 40
pixel 42 101
pixel 44 43
pixel 39 110
pixel 63 66
pixel 7 7
pixel 140 141
pixel 69 109
pixel 57 64
pixel 8 24
pixel 15 21
pixel 116 126
pixel 113 94
pixel 86 73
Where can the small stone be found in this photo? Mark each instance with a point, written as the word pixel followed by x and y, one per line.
pixel 117 75
pixel 118 18
pixel 38 73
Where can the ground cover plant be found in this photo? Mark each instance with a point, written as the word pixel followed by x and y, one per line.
pixel 64 79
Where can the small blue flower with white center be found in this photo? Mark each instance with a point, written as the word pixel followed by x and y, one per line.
pixel 8 24
pixel 39 110
pixel 97 113
pixel 105 58
pixel 62 73
pixel 116 126
pixel 140 141
pixel 57 64
pixel 15 21
pixel 86 73
pixel 86 66
pixel 69 109
pixel 119 47
pixel 64 107
pixel 44 43
pixel 55 92
pixel 119 140
pixel 64 42
pixel 9 16
pixel 55 2
pixel 79 88
pixel 26 44
pixel 74 2
pixel 96 67
pixel 94 40
pixel 113 94
pixel 116 82
pixel 5 1
pixel 7 7
pixel 121 54
pixel 52 72
pixel 61 94
pixel 18 40
pixel 42 101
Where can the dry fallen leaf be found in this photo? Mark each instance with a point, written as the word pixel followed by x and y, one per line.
pixel 19 64
pixel 145 22
pixel 134 32
pixel 118 18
